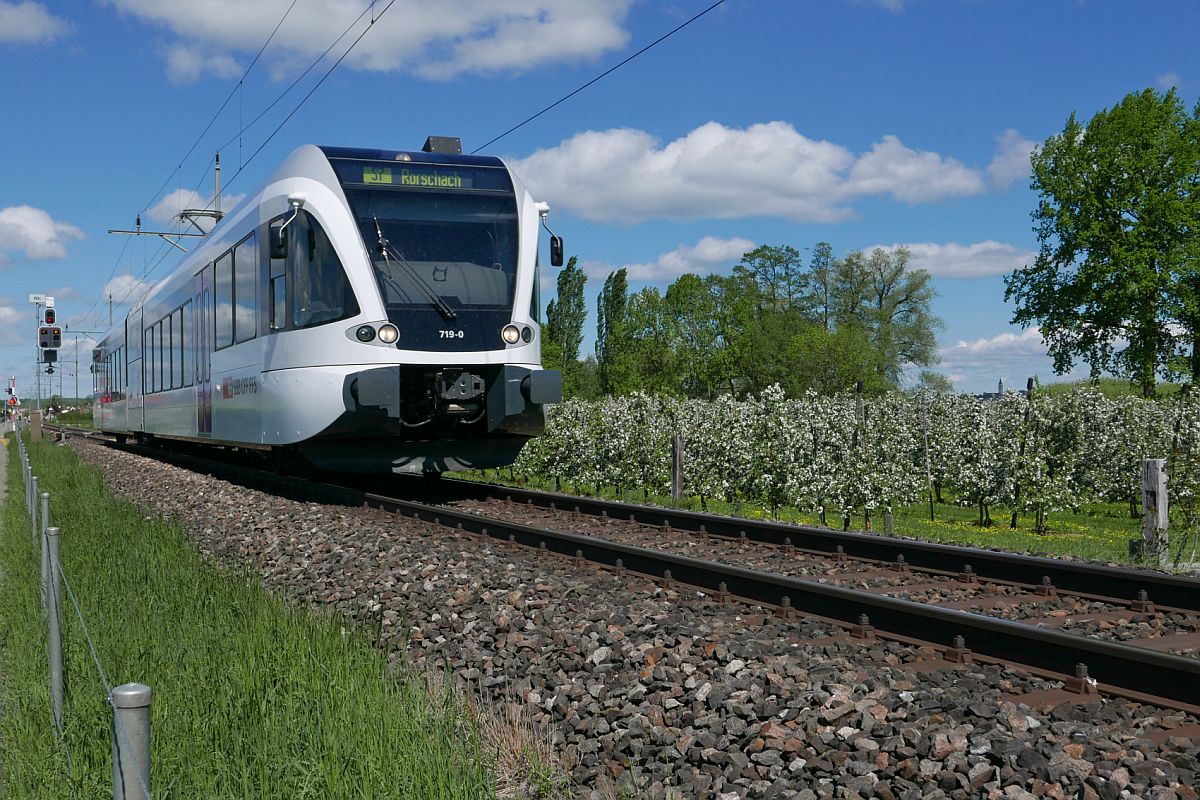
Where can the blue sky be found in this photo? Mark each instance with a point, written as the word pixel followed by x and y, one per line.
pixel 858 122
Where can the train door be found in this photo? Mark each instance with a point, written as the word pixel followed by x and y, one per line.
pixel 134 346
pixel 204 349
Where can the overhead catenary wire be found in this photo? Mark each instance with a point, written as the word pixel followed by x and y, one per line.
pixel 294 83
pixel 221 108
pixel 160 255
pixel 212 120
pixel 599 77
pixel 375 18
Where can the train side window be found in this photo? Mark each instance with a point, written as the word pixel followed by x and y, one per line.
pixel 151 384
pixel 223 326
pixel 535 300
pixel 206 338
pixel 160 349
pixel 176 349
pixel 276 281
pixel 245 285
pixel 185 342
pixel 320 290
pixel 148 360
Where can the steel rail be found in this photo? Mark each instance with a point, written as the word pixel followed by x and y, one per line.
pixel 1114 665
pixel 1098 580
pixel 1119 668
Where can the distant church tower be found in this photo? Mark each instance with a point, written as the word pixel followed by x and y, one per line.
pixel 1000 387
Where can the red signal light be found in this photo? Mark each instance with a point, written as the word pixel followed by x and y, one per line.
pixel 49 316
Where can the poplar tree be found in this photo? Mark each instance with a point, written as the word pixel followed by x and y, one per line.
pixel 611 330
pixel 563 334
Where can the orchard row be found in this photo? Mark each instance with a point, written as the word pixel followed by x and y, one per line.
pixel 841 456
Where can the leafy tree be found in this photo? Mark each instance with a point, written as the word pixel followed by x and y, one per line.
pixel 647 360
pixel 612 330
pixel 563 333
pixel 932 381
pixel 1117 228
pixel 818 298
pixel 891 304
pixel 693 314
pixel 779 273
pixel 588 379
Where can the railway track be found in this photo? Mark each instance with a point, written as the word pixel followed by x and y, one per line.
pixel 1119 585
pixel 1084 664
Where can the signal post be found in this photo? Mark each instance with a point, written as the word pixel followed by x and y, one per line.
pixel 49 339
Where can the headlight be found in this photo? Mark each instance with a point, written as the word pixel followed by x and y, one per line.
pixel 527 334
pixel 388 333
pixel 510 334
pixel 365 333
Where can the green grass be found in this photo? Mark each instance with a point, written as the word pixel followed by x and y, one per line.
pixel 80 419
pixel 1100 531
pixel 252 697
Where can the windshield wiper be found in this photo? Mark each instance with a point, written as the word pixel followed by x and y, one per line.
pixel 390 254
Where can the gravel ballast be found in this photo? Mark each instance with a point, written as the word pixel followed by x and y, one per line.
pixel 656 692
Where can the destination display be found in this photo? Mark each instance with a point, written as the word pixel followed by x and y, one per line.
pixel 390 174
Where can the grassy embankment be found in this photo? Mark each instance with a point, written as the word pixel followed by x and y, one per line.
pixel 1099 531
pixel 252 697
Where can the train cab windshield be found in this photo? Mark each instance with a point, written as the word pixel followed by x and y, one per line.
pixel 462 247
pixel 441 236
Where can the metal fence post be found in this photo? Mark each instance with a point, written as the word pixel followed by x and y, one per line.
pixel 56 666
pixel 131 742
pixel 45 553
pixel 31 497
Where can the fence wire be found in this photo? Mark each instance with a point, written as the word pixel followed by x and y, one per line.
pixel 123 744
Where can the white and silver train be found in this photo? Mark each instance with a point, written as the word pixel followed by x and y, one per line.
pixel 365 311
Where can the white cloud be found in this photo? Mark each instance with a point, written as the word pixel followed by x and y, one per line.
pixel 1011 161
pixel 187 64
pixel 954 260
pixel 475 36
pixel 911 176
pixel 33 232
pixel 1168 80
pixel 29 23
pixel 167 209
pixel 1027 342
pixel 16 325
pixel 63 293
pixel 767 169
pixel 976 365
pixel 710 254
pixel 124 289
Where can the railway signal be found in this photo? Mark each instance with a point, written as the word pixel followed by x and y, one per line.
pixel 49 316
pixel 49 337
